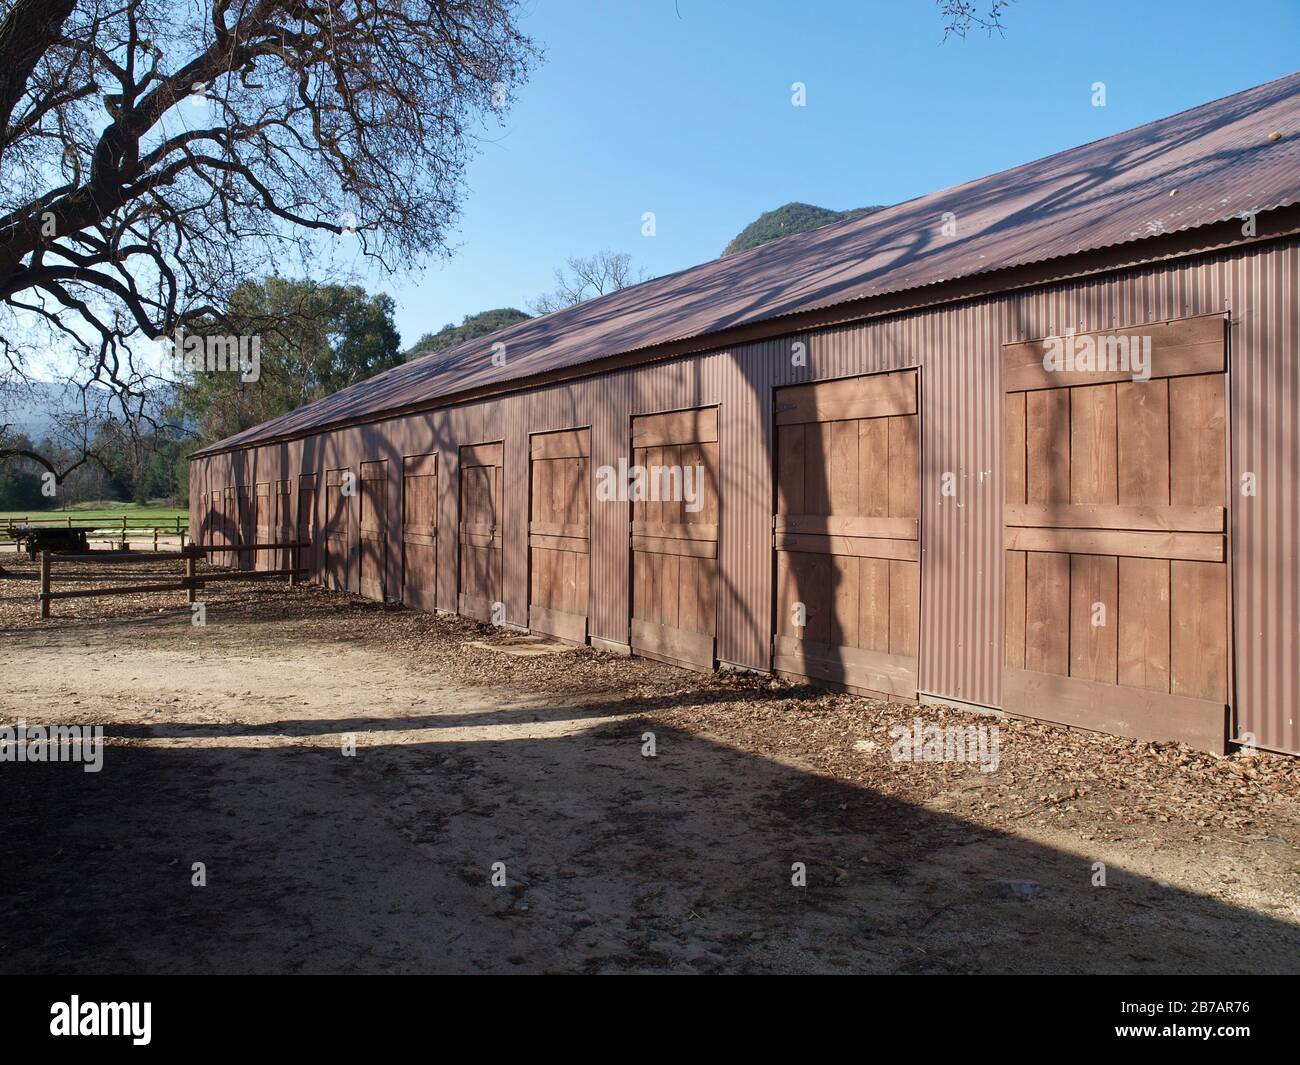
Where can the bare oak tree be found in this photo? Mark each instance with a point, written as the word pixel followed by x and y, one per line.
pixel 154 153
pixel 582 278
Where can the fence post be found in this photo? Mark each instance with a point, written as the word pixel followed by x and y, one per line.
pixel 293 564
pixel 155 537
pixel 45 585
pixel 191 593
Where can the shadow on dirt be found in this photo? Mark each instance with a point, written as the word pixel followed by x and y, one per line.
pixel 613 861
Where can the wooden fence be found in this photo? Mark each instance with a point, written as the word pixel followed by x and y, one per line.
pixel 10 531
pixel 190 581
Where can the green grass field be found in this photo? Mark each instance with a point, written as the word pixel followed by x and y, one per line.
pixel 112 513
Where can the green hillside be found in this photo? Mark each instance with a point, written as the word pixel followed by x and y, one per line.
pixel 784 221
pixel 473 326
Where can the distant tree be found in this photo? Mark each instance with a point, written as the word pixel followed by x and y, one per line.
pixel 20 489
pixel 93 468
pixel 181 470
pixel 472 327
pixel 582 278
pixel 142 467
pixel 20 479
pixel 313 340
pixel 65 445
pixel 787 220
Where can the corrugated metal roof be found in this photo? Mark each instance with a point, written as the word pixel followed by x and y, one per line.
pixel 1204 165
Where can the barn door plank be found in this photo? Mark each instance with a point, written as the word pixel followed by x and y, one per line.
pixel 1142 420
pixel 1144 623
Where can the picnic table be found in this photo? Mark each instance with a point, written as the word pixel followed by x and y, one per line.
pixel 37 538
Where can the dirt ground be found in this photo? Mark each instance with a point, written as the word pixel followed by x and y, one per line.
pixel 226 747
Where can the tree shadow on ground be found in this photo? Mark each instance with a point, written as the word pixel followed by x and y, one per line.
pixel 613 861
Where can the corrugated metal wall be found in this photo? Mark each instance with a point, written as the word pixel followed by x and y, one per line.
pixel 958 351
pixel 1262 292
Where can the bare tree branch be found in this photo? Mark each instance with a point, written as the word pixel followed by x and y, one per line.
pixel 156 153
pixel 582 278
pixel 962 16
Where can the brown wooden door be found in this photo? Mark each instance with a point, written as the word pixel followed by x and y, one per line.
pixel 559 534
pixel 374 528
pixel 1117 580
pixel 218 558
pixel 336 531
pixel 481 486
pixel 282 527
pixel 210 536
pixel 263 525
pixel 420 531
pixel 307 524
pixel 675 537
pixel 846 533
pixel 229 524
pixel 247 529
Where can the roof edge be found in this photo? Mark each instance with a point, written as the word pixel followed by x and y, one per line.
pixel 1180 244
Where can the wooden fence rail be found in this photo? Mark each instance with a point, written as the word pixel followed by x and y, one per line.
pixel 11 532
pixel 191 583
pixel 174 525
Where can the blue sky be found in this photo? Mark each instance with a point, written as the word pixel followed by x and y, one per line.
pixel 683 108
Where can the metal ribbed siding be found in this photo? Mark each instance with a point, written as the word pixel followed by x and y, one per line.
pixel 962 580
pixel 1265 441
pixel 958 351
pixel 746 498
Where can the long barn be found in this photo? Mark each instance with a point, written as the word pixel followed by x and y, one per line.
pixel 1029 443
